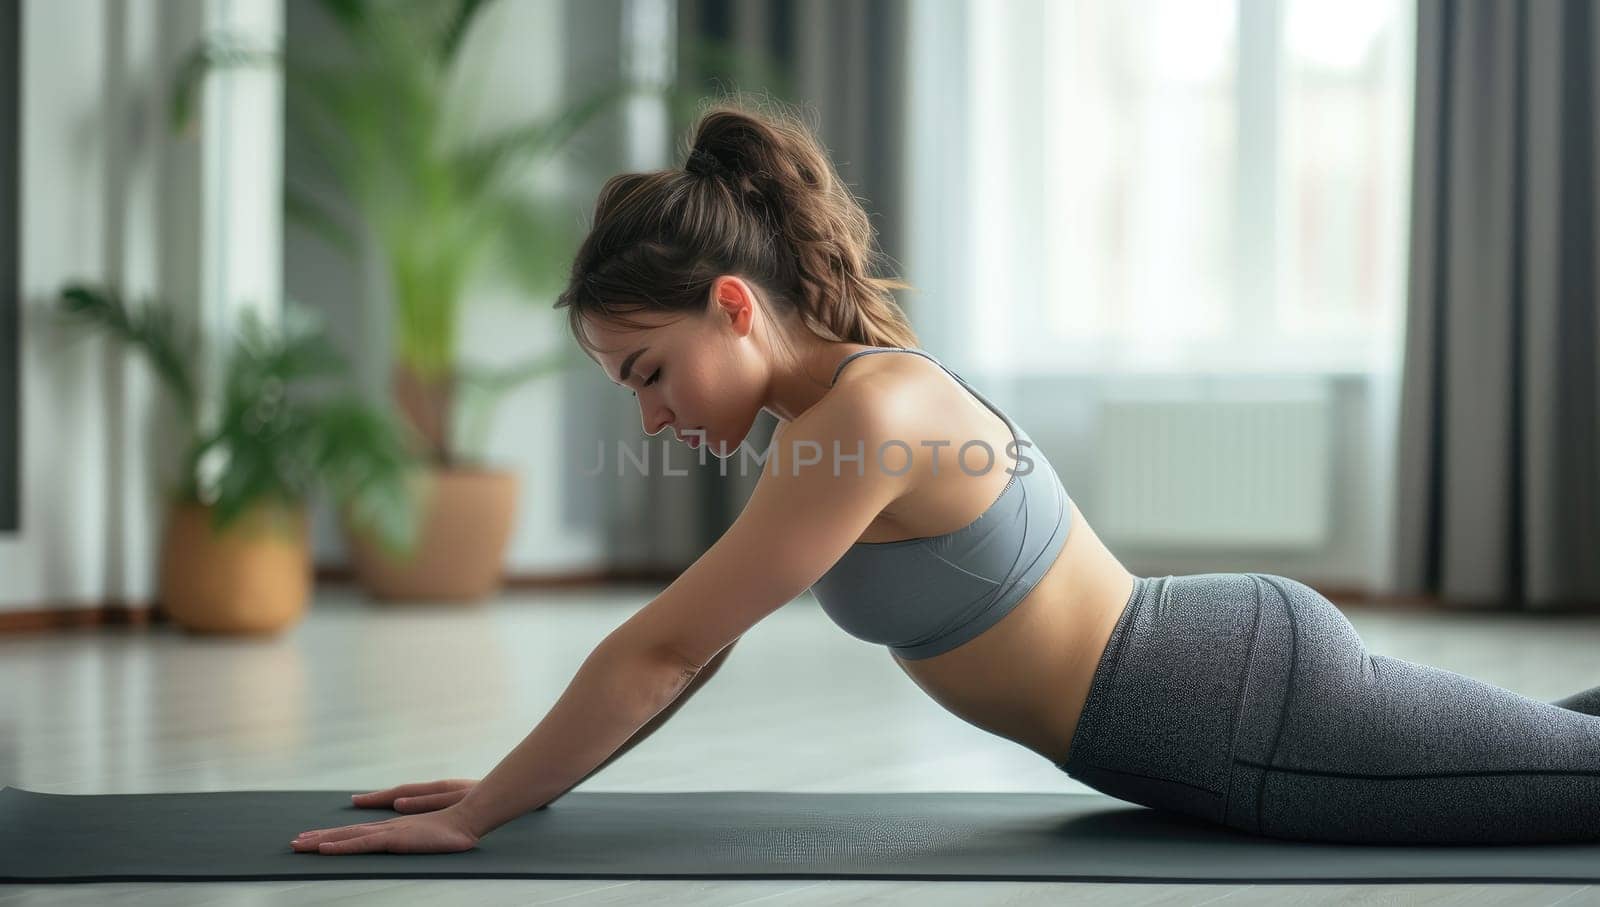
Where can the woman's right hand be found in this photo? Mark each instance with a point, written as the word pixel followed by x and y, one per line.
pixel 418 797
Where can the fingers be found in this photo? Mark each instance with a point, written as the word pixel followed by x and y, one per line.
pixel 429 802
pixel 387 796
pixel 367 843
pixel 437 833
pixel 338 828
pixel 310 839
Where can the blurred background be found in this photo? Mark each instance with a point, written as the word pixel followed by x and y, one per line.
pixel 1288 286
pixel 297 462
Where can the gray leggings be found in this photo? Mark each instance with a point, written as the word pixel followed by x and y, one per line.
pixel 1247 699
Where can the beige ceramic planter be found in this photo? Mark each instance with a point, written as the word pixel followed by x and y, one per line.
pixel 466 524
pixel 252 577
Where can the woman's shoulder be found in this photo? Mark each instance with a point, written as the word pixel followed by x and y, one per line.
pixel 896 398
pixel 892 383
pixel 854 409
pixel 884 366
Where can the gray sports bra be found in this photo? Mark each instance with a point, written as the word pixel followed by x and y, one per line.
pixel 925 596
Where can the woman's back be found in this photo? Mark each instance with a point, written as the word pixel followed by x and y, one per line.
pixel 1026 676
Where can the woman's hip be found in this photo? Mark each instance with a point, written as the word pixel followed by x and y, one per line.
pixel 1191 679
pixel 1249 700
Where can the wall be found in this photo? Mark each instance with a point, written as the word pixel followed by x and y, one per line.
pixel 87 211
pixel 10 104
pixel 109 195
pixel 1060 415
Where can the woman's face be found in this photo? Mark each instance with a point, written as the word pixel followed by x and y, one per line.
pixel 690 372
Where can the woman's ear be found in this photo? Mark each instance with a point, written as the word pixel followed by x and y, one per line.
pixel 736 302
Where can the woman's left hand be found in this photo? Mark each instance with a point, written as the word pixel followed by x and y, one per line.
pixel 440 831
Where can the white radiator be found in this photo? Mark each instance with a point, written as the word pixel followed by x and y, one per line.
pixel 1212 471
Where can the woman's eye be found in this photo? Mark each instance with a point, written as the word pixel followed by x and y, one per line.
pixel 650 381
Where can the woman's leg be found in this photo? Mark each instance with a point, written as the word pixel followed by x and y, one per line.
pixel 1343 745
pixel 1587 702
pixel 1249 699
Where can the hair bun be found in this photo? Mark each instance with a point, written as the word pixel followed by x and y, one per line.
pixel 774 212
pixel 703 163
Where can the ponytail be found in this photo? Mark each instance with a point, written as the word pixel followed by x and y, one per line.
pixel 757 197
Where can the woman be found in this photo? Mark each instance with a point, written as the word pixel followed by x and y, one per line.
pixel 740 283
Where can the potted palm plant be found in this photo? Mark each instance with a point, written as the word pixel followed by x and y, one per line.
pixel 235 553
pixel 440 210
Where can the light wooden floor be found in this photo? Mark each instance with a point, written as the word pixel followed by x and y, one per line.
pixel 362 696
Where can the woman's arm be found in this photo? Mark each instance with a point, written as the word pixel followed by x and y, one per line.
pixel 661 718
pixel 619 687
pixel 796 525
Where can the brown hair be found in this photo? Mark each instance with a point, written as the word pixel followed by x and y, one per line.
pixel 759 199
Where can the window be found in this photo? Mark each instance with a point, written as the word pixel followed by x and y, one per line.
pixel 1176 185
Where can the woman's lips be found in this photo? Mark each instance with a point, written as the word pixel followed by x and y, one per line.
pixel 692 437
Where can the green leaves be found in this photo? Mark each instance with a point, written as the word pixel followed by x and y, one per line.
pixel 150 330
pixel 363 457
pixel 450 40
pixel 284 424
pixel 443 206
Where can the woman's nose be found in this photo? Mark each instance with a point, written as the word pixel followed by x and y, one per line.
pixel 654 418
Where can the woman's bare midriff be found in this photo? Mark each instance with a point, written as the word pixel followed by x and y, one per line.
pixel 1026 677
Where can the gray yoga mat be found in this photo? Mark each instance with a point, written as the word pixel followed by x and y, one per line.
pixel 244 835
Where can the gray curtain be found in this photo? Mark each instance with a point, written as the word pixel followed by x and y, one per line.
pixel 844 64
pixel 1499 481
pixel 647 519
